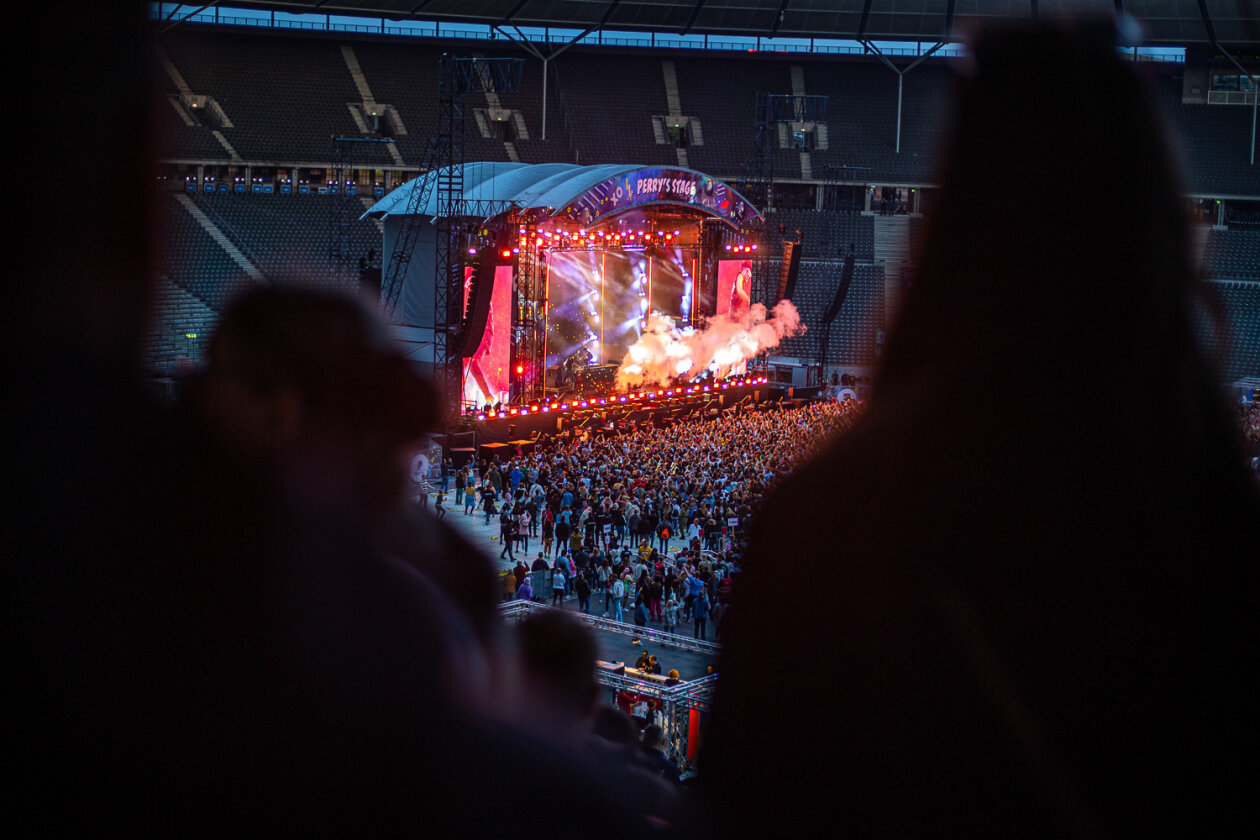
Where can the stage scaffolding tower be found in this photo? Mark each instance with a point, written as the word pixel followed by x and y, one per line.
pixel 773 111
pixel 529 290
pixel 457 77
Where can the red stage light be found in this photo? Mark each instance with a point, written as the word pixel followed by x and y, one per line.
pixel 513 412
pixel 507 253
pixel 520 368
pixel 533 408
pixel 554 405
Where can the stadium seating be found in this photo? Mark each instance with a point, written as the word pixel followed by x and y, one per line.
pixel 853 332
pixel 1234 340
pixel 1212 141
pixel 286 236
pixel 826 234
pixel 194 261
pixel 286 97
pixel 611 99
pixel 1232 255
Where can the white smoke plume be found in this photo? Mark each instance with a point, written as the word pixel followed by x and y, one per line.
pixel 664 353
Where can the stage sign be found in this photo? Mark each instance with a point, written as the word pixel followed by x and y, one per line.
pixel 661 186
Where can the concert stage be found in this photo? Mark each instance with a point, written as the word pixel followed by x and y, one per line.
pixel 517 429
pixel 545 279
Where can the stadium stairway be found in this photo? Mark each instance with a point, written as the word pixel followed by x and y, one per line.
pixel 365 91
pixel 219 237
pixel 892 248
pixel 180 326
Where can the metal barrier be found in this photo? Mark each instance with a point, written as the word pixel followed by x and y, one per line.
pixel 515 610
pixel 677 701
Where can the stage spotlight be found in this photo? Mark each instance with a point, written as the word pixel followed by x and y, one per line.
pixel 507 253
pixel 481 417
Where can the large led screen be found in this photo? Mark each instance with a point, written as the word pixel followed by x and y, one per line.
pixel 598 301
pixel 734 287
pixel 486 375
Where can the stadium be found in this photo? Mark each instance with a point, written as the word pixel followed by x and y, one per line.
pixel 484 354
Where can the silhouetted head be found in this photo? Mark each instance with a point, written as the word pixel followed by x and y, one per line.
pixel 301 375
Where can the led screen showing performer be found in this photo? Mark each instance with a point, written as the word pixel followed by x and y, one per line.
pixel 734 287
pixel 486 370
pixel 599 301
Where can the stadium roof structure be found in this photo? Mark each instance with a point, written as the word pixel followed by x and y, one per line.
pixel 1167 22
pixel 585 194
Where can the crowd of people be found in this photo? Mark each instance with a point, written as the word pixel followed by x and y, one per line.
pixel 652 519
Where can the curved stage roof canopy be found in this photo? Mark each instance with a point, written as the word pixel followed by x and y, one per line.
pixel 583 194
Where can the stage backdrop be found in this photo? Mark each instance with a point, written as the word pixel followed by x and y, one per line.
pixel 598 300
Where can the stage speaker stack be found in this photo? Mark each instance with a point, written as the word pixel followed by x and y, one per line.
pixel 789 268
pixel 480 291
